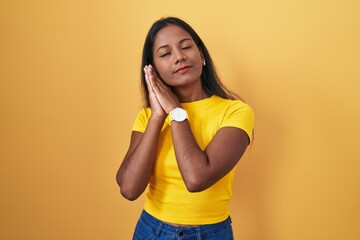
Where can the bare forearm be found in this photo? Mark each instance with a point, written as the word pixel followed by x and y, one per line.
pixel 135 171
pixel 192 160
pixel 199 168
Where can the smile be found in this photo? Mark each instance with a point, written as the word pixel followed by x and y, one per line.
pixel 183 69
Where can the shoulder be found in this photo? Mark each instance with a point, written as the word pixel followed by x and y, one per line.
pixel 237 114
pixel 141 120
pixel 231 104
pixel 144 113
pixel 235 111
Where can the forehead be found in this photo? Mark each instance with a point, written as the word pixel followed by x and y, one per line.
pixel 170 34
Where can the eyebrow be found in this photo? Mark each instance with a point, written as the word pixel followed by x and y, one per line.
pixel 181 41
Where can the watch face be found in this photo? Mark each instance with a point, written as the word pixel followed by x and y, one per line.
pixel 179 114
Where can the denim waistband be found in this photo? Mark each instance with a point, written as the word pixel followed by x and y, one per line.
pixel 160 228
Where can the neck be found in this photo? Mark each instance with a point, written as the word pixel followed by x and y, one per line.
pixel 189 95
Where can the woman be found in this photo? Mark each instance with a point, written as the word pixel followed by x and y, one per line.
pixel 186 142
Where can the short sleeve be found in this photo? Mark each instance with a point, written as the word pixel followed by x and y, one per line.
pixel 240 115
pixel 141 120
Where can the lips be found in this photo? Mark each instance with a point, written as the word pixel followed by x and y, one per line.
pixel 182 69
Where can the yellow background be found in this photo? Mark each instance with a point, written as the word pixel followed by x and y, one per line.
pixel 69 93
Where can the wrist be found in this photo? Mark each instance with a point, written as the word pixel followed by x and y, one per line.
pixel 159 118
pixel 171 108
pixel 177 114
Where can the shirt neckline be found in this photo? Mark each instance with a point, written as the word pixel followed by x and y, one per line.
pixel 199 103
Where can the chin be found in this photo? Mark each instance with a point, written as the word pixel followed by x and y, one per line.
pixel 183 80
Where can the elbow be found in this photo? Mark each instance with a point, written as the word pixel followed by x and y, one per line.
pixel 195 185
pixel 129 195
pixel 126 191
pixel 194 189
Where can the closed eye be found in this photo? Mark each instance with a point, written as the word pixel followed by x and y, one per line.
pixel 165 54
pixel 188 47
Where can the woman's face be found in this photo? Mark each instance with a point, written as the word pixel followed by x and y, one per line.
pixel 177 58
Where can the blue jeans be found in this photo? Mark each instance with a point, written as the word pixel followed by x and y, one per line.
pixel 150 228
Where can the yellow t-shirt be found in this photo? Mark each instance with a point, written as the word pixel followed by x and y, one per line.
pixel 167 198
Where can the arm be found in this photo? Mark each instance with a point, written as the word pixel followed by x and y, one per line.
pixel 135 171
pixel 201 169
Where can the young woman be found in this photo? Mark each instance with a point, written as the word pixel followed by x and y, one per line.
pixel 186 142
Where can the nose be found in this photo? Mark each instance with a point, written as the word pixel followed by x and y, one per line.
pixel 180 58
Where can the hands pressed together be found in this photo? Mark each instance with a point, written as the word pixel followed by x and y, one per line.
pixel 162 99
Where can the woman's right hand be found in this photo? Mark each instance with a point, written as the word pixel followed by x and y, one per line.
pixel 156 109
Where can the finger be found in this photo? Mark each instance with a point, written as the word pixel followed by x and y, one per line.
pixel 146 76
pixel 156 80
pixel 154 72
pixel 147 79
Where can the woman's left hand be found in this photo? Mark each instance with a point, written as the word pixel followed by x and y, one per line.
pixel 167 99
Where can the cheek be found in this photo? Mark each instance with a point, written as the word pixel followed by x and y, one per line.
pixel 162 71
pixel 165 77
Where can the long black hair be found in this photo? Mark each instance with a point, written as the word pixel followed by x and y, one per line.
pixel 209 78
